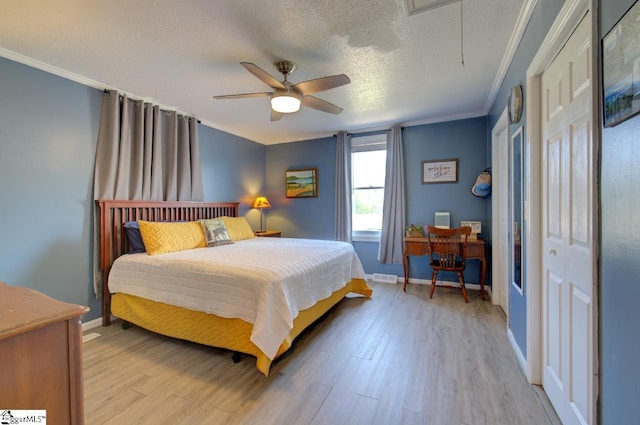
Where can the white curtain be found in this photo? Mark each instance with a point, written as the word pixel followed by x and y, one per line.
pixel 144 153
pixel 393 215
pixel 342 215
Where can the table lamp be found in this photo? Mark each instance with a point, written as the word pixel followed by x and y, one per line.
pixel 261 203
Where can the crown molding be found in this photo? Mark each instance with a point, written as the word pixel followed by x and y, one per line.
pixel 42 66
pixel 514 42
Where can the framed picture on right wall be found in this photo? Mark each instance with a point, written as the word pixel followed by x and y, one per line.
pixel 621 68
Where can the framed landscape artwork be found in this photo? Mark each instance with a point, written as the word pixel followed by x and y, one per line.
pixel 302 183
pixel 621 69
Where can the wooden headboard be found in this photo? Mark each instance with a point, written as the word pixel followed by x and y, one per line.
pixel 112 238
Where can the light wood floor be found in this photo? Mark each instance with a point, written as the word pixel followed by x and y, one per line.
pixel 398 358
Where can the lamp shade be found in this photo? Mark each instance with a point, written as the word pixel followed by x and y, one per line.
pixel 261 202
pixel 285 102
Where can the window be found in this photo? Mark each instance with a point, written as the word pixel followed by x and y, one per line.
pixel 368 166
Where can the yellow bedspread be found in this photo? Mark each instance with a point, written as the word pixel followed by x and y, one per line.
pixel 212 330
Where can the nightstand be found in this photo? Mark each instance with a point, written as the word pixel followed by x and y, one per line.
pixel 268 233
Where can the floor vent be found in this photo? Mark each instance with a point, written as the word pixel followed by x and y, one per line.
pixel 385 278
pixel 89 337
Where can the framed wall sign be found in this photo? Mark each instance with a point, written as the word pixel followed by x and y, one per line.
pixel 441 171
pixel 302 183
pixel 621 69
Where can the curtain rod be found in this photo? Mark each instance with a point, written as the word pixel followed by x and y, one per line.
pixel 365 133
pixel 160 106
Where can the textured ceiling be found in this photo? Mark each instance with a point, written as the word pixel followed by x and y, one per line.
pixel 403 68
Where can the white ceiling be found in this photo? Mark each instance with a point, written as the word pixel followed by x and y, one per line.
pixel 403 68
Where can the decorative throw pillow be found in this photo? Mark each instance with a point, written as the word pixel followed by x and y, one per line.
pixel 238 228
pixel 132 229
pixel 215 232
pixel 162 237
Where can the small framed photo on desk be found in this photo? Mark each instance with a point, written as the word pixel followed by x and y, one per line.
pixel 476 228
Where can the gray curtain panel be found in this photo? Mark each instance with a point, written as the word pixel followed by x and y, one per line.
pixel 393 215
pixel 144 153
pixel 342 215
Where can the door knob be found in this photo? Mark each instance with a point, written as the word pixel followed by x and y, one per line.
pixel 552 251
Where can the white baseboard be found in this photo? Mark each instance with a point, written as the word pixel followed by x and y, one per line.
pixel 400 280
pixel 95 323
pixel 473 286
pixel 522 361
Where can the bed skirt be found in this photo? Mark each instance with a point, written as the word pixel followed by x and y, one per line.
pixel 215 331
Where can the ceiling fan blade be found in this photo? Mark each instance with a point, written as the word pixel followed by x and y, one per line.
pixel 321 84
pixel 320 105
pixel 275 116
pixel 243 95
pixel 263 75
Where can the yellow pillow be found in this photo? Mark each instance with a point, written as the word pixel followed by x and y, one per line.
pixel 161 237
pixel 238 228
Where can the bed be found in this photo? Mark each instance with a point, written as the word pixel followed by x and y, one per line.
pixel 252 296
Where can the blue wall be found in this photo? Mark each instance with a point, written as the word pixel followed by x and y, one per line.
pixel 465 140
pixel 233 169
pixel 541 20
pixel 301 217
pixel 313 217
pixel 619 258
pixel 48 133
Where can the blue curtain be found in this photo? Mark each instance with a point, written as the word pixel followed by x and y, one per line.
pixel 393 215
pixel 342 215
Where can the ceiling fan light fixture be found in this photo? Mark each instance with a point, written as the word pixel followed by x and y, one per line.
pixel 285 102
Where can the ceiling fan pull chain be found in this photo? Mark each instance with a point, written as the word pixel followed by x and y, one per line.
pixel 461 35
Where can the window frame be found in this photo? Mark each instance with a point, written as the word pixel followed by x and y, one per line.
pixel 369 143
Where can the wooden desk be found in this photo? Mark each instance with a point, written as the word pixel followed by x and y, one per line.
pixel 420 246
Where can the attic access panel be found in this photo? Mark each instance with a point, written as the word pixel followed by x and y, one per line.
pixel 413 7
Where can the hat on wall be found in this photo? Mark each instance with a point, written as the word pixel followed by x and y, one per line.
pixel 482 187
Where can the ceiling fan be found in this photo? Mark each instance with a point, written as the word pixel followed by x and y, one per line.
pixel 287 97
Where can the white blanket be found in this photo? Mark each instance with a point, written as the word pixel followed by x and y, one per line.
pixel 264 281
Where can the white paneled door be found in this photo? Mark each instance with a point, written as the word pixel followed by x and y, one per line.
pixel 567 230
pixel 500 213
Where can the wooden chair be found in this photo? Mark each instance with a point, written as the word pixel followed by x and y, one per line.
pixel 448 248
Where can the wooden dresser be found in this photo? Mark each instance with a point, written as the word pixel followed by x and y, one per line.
pixel 41 355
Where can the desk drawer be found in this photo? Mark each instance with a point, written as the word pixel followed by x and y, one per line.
pixel 415 248
pixel 475 250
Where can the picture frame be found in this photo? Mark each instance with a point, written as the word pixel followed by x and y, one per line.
pixel 301 183
pixel 621 69
pixel 442 220
pixel 476 226
pixel 440 171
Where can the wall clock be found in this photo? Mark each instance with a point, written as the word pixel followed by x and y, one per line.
pixel 515 104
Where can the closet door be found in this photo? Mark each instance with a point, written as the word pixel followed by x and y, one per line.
pixel 567 242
